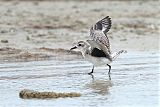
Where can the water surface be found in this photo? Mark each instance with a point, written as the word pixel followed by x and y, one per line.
pixel 134 82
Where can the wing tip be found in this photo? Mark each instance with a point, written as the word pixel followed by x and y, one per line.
pixel 107 17
pixel 106 21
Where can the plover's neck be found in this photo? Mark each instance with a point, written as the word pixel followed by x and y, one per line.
pixel 84 52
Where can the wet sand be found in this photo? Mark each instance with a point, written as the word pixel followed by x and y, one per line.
pixel 35 38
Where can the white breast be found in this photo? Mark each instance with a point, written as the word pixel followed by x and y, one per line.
pixel 97 61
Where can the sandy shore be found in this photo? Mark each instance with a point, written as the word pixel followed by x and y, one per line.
pixel 26 27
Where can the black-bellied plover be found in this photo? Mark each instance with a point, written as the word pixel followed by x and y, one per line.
pixel 97 50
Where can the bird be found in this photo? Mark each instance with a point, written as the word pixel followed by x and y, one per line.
pixel 97 49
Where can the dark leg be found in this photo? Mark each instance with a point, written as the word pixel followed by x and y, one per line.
pixel 109 71
pixel 91 71
pixel 109 68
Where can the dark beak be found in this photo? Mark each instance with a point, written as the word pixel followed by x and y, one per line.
pixel 73 48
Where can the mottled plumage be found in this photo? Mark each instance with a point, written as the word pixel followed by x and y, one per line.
pixel 99 30
pixel 97 50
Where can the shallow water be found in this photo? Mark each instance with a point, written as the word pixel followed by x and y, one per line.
pixel 134 82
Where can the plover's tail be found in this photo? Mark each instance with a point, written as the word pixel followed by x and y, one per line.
pixel 116 54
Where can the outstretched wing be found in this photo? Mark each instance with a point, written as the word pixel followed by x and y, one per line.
pixel 103 25
pixel 99 30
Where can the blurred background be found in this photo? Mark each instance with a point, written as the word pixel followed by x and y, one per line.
pixel 26 24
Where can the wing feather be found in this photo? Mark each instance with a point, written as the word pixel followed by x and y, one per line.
pixel 99 30
pixel 104 24
pixel 101 47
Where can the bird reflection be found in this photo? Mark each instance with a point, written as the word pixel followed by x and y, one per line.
pixel 92 76
pixel 99 86
pixel 109 76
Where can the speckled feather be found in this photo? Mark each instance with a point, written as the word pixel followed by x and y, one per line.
pixel 99 30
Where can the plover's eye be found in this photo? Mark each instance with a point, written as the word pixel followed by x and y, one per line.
pixel 79 45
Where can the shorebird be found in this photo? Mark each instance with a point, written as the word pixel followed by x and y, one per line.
pixel 97 50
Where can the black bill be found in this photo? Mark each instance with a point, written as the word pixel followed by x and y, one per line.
pixel 73 48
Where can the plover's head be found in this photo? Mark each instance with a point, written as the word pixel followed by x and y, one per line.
pixel 81 46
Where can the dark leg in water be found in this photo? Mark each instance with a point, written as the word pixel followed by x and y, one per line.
pixel 109 68
pixel 109 71
pixel 91 71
